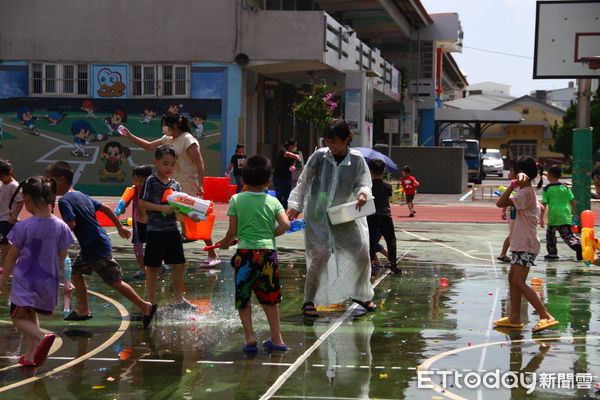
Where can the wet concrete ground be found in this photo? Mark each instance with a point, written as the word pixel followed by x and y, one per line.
pixel 420 325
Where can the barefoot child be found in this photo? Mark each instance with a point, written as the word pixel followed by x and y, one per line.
pixel 524 245
pixel 163 240
pixel 78 210
pixel 8 215
pixel 38 247
pixel 252 216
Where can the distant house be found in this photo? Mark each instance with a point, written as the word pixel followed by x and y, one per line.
pixel 533 136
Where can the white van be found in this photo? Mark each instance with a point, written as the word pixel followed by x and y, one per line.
pixel 492 162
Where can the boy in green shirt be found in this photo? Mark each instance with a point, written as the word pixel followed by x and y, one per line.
pixel 558 199
pixel 252 216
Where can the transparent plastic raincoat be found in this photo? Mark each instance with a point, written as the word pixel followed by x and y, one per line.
pixel 337 256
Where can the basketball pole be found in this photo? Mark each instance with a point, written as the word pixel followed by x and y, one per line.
pixel 582 147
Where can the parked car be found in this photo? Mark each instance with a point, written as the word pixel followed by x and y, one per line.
pixel 492 162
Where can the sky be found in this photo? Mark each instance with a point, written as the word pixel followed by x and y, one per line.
pixel 505 26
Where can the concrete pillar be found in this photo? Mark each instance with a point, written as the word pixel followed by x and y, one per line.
pixel 358 110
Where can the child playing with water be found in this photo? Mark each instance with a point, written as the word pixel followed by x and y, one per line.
pixel 524 245
pixel 8 215
pixel 163 240
pixel 38 247
pixel 236 164
pixel 409 185
pixel 337 256
pixel 78 210
pixel 558 199
pixel 189 170
pixel 252 216
pixel 380 223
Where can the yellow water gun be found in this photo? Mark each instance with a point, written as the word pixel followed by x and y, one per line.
pixel 589 243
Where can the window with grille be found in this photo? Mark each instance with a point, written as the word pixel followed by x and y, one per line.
pixel 58 79
pixel 166 80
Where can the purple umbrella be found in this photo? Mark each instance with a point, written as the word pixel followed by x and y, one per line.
pixel 370 154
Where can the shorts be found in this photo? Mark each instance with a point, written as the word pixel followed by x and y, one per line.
pixel 107 268
pixel 5 227
pixel 142 232
pixel 523 258
pixel 14 308
pixel 256 270
pixel 409 197
pixel 164 247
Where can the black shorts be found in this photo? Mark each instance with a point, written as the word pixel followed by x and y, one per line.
pixel 142 232
pixel 164 247
pixel 107 268
pixel 5 227
pixel 409 197
pixel 14 308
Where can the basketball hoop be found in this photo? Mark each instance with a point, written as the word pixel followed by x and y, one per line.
pixel 592 62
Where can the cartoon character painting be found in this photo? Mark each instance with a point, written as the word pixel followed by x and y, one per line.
pixel 198 120
pixel 26 118
pixel 111 83
pixel 88 107
pixel 173 108
pixel 55 118
pixel 112 123
pixel 80 130
pixel 148 114
pixel 113 156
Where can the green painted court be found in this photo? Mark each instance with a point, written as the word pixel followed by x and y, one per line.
pixel 420 327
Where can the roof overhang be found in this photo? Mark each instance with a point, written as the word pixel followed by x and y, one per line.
pixel 482 116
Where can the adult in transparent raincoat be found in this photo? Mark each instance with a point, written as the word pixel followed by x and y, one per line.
pixel 337 256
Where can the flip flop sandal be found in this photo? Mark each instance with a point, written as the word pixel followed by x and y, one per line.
pixel 147 319
pixel 268 345
pixel 73 316
pixel 366 305
pixel 41 353
pixel 250 349
pixel 544 324
pixel 504 259
pixel 307 308
pixel 25 363
pixel 504 322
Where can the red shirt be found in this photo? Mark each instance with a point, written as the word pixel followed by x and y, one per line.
pixel 409 184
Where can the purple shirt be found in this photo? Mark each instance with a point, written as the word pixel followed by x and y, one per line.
pixel 36 274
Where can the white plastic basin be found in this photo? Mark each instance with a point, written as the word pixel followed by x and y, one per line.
pixel 347 212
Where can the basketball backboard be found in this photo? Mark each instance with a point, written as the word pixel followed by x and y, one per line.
pixel 567 39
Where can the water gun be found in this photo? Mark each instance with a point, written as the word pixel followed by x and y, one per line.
pixel 193 207
pixel 297 225
pixel 399 190
pixel 125 199
pixel 217 246
pixel 128 221
pixel 589 243
pixel 68 286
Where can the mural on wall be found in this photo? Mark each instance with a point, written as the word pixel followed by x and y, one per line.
pixel 83 131
pixel 110 81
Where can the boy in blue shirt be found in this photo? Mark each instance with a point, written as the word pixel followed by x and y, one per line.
pixel 252 216
pixel 78 210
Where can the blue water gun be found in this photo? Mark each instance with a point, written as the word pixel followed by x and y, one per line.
pixel 297 225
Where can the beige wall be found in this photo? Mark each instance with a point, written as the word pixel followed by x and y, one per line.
pixel 498 135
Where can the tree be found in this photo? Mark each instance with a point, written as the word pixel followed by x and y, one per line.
pixel 316 108
pixel 563 132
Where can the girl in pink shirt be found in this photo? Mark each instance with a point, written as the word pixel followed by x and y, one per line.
pixel 524 245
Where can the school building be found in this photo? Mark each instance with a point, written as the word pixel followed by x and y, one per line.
pixel 242 64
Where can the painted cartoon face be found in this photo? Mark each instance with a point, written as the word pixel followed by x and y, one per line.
pixel 198 120
pixel 173 108
pixel 83 134
pixel 27 116
pixel 116 119
pixel 149 113
pixel 113 153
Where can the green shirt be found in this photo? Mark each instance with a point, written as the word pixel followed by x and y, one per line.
pixel 558 198
pixel 256 214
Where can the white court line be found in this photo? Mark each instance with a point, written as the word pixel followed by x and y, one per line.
pixel 41 134
pixel 300 360
pixel 493 261
pixel 214 362
pixel 464 197
pixel 487 338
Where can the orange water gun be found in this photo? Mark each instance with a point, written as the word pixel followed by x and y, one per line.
pixel 125 199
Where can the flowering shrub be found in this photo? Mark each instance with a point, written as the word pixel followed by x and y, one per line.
pixel 316 107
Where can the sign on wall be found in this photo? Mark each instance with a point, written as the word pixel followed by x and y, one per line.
pixel 110 81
